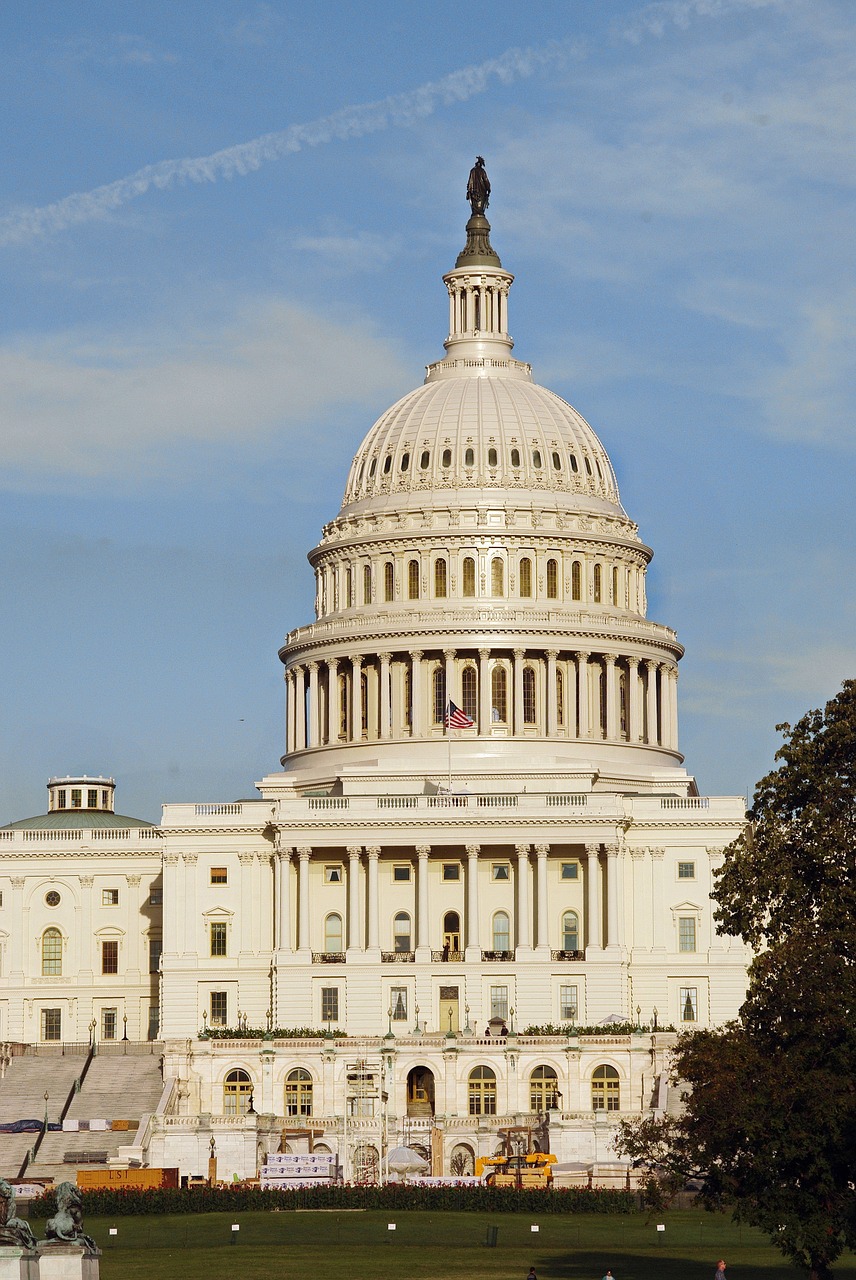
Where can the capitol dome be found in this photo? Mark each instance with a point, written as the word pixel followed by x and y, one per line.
pixel 481 558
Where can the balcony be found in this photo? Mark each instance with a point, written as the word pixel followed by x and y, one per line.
pixel 497 955
pixel 398 957
pixel 447 957
pixel 328 957
pixel 567 955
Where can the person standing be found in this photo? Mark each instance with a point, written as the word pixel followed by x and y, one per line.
pixel 720 1270
pixel 609 1275
pixel 532 1275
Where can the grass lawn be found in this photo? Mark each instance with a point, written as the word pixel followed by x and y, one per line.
pixel 340 1245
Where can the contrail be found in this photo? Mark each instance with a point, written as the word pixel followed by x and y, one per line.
pixel 350 122
pixel 654 18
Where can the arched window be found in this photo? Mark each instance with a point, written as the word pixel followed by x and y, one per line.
pixel 557 462
pixel 405 461
pixel 526 577
pixel 364 703
pixel 413 580
pixel 439 694
pixel 51 953
pixel 543 1089
pixel 469 692
pixel 491 457
pixel 367 584
pixel 576 581
pixel 560 699
pixel 536 459
pixel 515 457
pixel 469 458
pixel 463 1162
pixel 623 712
pixel 570 931
pixel 605 1090
pixel 389 581
pixel 597 584
pixel 387 464
pixel 333 934
pixel 349 588
pixel 552 579
pixel 452 931
pixel 498 698
pixel 497 577
pixel 401 936
pixel 501 931
pixel 528 695
pixel 298 1093
pixel 615 584
pixel 372 468
pixel 481 1090
pixel 574 464
pixel 237 1091
pixel 335 590
pixel 440 578
pixel 343 707
pixel 424 459
pixel 469 576
pixel 447 458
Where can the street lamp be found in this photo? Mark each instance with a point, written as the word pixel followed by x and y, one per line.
pixel 655 1017
pixel 125 1022
pixel 511 1011
pixel 47 1095
pixel 416 1028
pixel 468 1031
pixel 638 1014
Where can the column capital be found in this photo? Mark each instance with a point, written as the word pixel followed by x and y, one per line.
pixel 582 655
pixel 715 852
pixel 592 850
pixel 385 657
pixel 609 659
pixel 304 852
pixel 356 659
pixel 473 850
pixel 423 850
pixel 449 654
pixel 612 850
pixel 484 654
pixel 522 850
pixel 633 663
pixel 18 882
pixel 170 859
pixel 373 852
pixel 190 859
pixel 354 851
pixel 312 666
pixel 246 859
pixel 519 654
pixel 416 654
pixel 284 851
pixel 542 850
pixel 636 852
pixel 552 654
pixel 86 882
pixel 133 881
pixel 657 854
pixel 332 663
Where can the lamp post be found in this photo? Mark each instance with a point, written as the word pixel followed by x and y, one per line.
pixel 511 1012
pixel 92 1028
pixel 212 1161
pixel 47 1095
pixel 389 1022
pixel 468 1031
pixel 416 1028
pixel 125 1025
pixel 655 1017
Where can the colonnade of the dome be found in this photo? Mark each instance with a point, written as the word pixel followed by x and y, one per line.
pixel 520 692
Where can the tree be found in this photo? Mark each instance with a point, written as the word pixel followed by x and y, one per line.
pixel 769 1126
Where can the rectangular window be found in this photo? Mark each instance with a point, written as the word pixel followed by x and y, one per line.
pixel 61 799
pixel 217 933
pixel 689 1004
pixel 686 871
pixel 156 898
pixel 105 799
pixel 451 871
pixel 154 1021
pixel 570 871
pixel 568 1003
pixel 687 933
pixel 109 1022
pixel 329 1004
pixel 92 798
pixel 51 1024
pixel 499 1002
pixel 219 1008
pixel 333 875
pixel 398 1004
pixel 110 956
pixel 500 871
pixel 219 875
pixel 155 949
pixel 109 897
pixel 76 798
pixel 361 1108
pixel 401 873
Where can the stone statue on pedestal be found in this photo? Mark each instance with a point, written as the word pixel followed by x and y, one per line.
pixel 13 1230
pixel 66 1226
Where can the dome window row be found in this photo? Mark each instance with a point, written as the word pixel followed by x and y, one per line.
pixel 492 462
pixel 597 582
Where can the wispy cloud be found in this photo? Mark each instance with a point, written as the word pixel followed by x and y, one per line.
pixel 89 405
pixel 118 49
pixel 655 19
pixel 351 122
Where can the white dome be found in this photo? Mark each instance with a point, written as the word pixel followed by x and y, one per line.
pixel 482 431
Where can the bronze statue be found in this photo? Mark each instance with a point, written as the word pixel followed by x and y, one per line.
pixel 66 1226
pixel 13 1230
pixel 478 187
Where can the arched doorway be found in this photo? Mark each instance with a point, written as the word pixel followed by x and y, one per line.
pixel 420 1092
pixel 366 1165
pixel 462 1164
pixel 451 932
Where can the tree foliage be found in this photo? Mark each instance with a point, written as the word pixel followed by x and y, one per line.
pixel 769 1126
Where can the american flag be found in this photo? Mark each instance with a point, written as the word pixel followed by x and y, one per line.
pixel 456 718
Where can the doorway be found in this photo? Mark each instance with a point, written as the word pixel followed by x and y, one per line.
pixel 451 933
pixel 449 1020
pixel 420 1092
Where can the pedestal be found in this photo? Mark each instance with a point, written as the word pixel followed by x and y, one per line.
pixel 66 1262
pixel 17 1263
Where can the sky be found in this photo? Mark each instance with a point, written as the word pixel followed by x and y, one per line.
pixel 223 227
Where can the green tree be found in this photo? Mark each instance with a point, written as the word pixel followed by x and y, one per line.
pixel 769 1126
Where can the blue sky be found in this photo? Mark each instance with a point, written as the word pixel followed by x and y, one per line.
pixel 222 231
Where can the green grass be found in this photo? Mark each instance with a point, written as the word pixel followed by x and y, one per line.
pixel 339 1245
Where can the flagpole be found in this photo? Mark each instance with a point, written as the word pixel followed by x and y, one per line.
pixel 449 738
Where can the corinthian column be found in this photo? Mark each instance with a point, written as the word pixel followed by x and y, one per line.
pixel 332 700
pixel 422 935
pixel 517 720
pixel 416 692
pixel 299 709
pixel 373 856
pixel 524 934
pixel 613 938
pixel 594 908
pixel 552 717
pixel 356 698
pixel 653 736
pixel 484 692
pixel 543 936
pixel 313 705
pixel 385 696
pixel 633 706
pixel 282 866
pixel 583 694
pixel 609 680
pixel 303 855
pixel 673 704
pixel 354 852
pixel 473 950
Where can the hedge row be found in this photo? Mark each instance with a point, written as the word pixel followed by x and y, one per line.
pixel 125 1201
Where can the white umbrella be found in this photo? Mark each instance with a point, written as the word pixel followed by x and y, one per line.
pixel 404 1160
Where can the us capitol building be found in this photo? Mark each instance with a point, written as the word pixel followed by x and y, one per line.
pixel 417 934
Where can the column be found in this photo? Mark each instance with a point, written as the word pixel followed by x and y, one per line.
pixel 354 941
pixel 613 931
pixel 552 715
pixel 245 925
pixel 658 921
pixel 594 910
pixel 524 931
pixel 385 696
pixel 452 694
pixel 299 709
pixel 517 710
pixel 373 856
pixel 16 968
pixel 332 700
pixel 653 737
pixel 634 719
pixel 87 942
pixel 582 694
pixel 416 692
pixel 673 704
pixel 543 935
pixel 314 721
pixel 356 699
pixel 609 679
pixel 172 925
pixel 641 916
pixel 303 855
pixel 289 712
pixel 191 940
pixel 473 948
pixel 484 692
pixel 665 713
pixel 422 931
pixel 282 866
